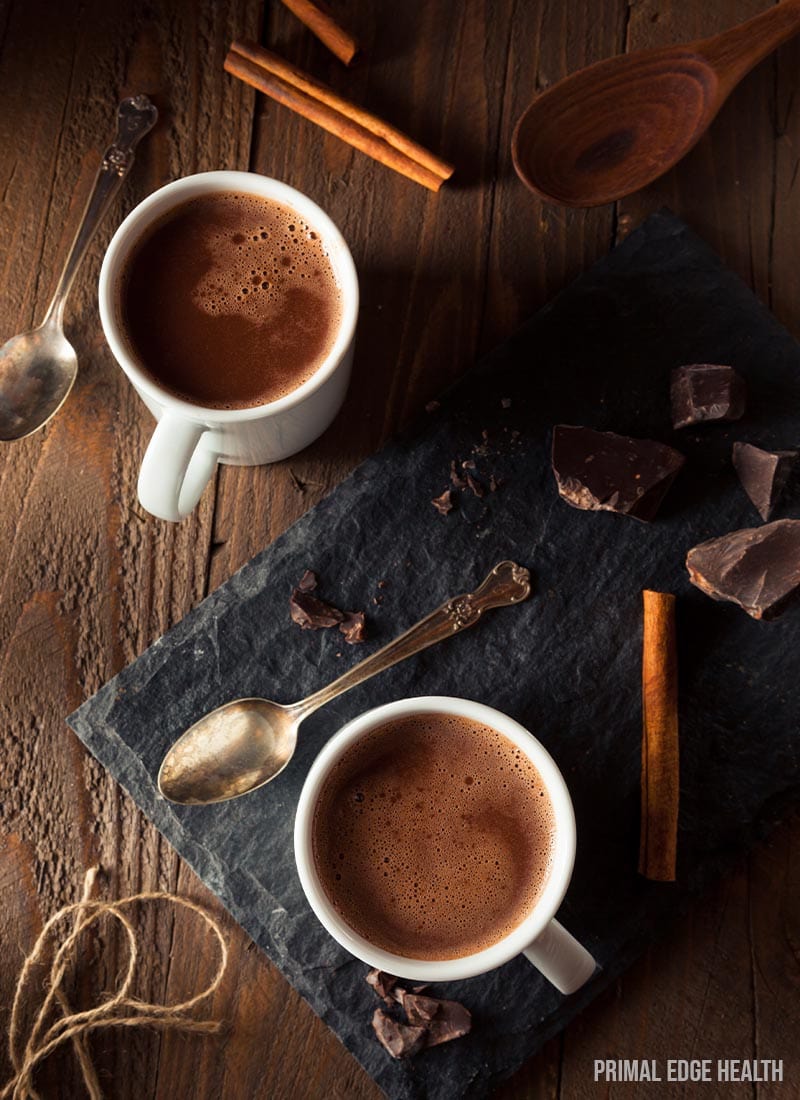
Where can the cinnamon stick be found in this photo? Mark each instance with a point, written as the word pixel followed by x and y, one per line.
pixel 660 758
pixel 320 21
pixel 294 88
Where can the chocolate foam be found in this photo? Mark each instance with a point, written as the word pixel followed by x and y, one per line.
pixel 230 300
pixel 433 836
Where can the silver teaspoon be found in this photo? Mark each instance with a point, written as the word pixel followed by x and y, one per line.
pixel 245 743
pixel 38 368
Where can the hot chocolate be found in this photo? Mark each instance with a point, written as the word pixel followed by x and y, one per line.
pixel 230 301
pixel 433 836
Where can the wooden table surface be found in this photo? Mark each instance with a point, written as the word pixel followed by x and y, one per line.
pixel 88 580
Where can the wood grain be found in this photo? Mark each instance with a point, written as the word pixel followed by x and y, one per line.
pixel 87 580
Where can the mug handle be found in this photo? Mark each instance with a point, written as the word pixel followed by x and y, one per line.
pixel 175 470
pixel 563 961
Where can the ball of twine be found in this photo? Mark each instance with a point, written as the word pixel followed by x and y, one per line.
pixel 119 1009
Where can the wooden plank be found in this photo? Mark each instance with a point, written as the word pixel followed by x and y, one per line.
pixel 86 580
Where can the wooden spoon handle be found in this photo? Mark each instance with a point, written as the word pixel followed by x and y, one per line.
pixel 735 52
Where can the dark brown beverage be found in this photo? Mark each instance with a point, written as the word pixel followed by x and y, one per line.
pixel 433 836
pixel 230 301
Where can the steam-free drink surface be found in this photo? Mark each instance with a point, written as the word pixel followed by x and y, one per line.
pixel 230 301
pixel 433 836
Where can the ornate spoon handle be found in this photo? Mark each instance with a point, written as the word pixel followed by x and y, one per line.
pixel 506 584
pixel 135 117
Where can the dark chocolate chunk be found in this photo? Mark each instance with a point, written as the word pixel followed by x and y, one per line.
pixel 401 1040
pixel 444 503
pixel 419 1010
pixel 308 582
pixel 757 568
pixel 382 983
pixel 312 613
pixel 706 391
pixel 353 627
pixel 763 474
pixel 602 471
pixel 451 1022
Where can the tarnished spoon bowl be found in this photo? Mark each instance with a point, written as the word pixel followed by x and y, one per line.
pixel 37 371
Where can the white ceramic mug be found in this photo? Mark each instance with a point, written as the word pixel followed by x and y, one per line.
pixel 190 440
pixel 551 949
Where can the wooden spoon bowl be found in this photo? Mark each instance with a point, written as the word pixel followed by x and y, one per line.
pixel 614 127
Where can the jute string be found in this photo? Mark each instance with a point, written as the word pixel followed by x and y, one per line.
pixel 119 1009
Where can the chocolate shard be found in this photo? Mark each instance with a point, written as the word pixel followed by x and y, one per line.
pixel 451 1022
pixel 353 627
pixel 444 1020
pixel 308 582
pixel 401 1040
pixel 763 474
pixel 312 613
pixel 419 1010
pixel 605 472
pixel 757 568
pixel 444 503
pixel 706 391
pixel 382 983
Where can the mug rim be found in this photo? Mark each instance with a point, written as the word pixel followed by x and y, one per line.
pixel 166 198
pixel 528 929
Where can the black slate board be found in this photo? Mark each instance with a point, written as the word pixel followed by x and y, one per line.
pixel 566 663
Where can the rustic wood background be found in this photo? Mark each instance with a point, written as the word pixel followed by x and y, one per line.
pixel 88 581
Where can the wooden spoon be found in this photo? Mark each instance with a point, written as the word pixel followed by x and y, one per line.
pixel 614 127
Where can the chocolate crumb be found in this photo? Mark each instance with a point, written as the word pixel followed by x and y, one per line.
pixel 451 1022
pixel 312 613
pixel 443 1020
pixel 468 465
pixel 432 406
pixel 382 584
pixel 475 486
pixel 401 1040
pixel 419 1010
pixel 505 403
pixel 308 582
pixel 431 1021
pixel 455 477
pixel 382 983
pixel 377 600
pixel 485 435
pixel 494 483
pixel 353 627
pixel 444 503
